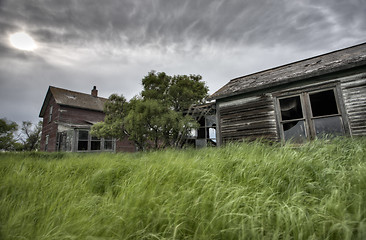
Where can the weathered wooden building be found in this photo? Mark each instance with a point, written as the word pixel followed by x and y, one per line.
pixel 67 119
pixel 320 96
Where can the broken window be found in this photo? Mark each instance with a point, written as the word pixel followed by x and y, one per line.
pixel 206 133
pixel 211 128
pixel 292 120
pixel 310 115
pixel 326 118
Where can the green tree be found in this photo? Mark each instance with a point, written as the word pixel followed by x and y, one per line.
pixel 31 135
pixel 115 110
pixel 178 92
pixel 157 118
pixel 7 130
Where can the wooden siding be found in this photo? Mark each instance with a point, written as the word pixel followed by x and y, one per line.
pixel 79 116
pixel 354 96
pixel 248 118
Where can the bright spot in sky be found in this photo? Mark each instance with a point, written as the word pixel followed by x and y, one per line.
pixel 22 41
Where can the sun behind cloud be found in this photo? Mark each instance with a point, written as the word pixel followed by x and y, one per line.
pixel 22 41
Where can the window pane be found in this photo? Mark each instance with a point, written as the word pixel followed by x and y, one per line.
pixel 212 133
pixel 294 131
pixel 210 120
pixel 95 145
pixel 201 132
pixel 108 145
pixel 82 145
pixel 83 135
pixel 328 126
pixel 323 103
pixel 291 108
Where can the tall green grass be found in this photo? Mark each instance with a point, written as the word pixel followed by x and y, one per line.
pixel 240 191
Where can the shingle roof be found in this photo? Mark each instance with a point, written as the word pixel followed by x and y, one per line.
pixel 343 59
pixel 73 99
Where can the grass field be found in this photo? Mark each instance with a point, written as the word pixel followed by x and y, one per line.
pixel 241 191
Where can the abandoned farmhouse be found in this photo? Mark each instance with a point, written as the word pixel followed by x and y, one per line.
pixel 299 101
pixel 316 97
pixel 67 119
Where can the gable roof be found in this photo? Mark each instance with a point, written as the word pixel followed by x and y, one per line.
pixel 72 99
pixel 343 59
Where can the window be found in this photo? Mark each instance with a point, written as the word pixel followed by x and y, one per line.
pixel 309 115
pixel 50 114
pixel 83 139
pixel 87 142
pixel 95 143
pixel 326 117
pixel 206 133
pixel 292 119
pixel 46 142
pixel 108 144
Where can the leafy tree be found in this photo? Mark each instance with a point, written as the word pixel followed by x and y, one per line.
pixel 156 119
pixel 178 92
pixel 115 110
pixel 7 130
pixel 186 90
pixel 31 135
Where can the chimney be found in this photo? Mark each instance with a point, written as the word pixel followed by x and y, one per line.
pixel 94 92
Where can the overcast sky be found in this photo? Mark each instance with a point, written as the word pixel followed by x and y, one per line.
pixel 113 44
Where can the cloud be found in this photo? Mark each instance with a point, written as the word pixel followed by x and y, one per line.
pixel 114 43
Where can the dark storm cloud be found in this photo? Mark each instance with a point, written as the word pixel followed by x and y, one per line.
pixel 114 43
pixel 164 22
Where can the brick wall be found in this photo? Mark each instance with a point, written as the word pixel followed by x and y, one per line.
pixel 50 127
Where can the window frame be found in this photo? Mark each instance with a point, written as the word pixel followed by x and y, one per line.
pixel 308 117
pixel 90 140
pixel 282 122
pixel 50 114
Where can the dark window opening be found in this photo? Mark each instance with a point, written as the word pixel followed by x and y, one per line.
pixel 95 143
pixel 323 103
pixel 83 135
pixel 83 139
pixel 291 108
pixel 82 145
pixel 108 145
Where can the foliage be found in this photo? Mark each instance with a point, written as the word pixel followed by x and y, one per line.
pixel 178 92
pixel 7 130
pixel 240 191
pixel 149 123
pixel 115 110
pixel 156 119
pixel 31 136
